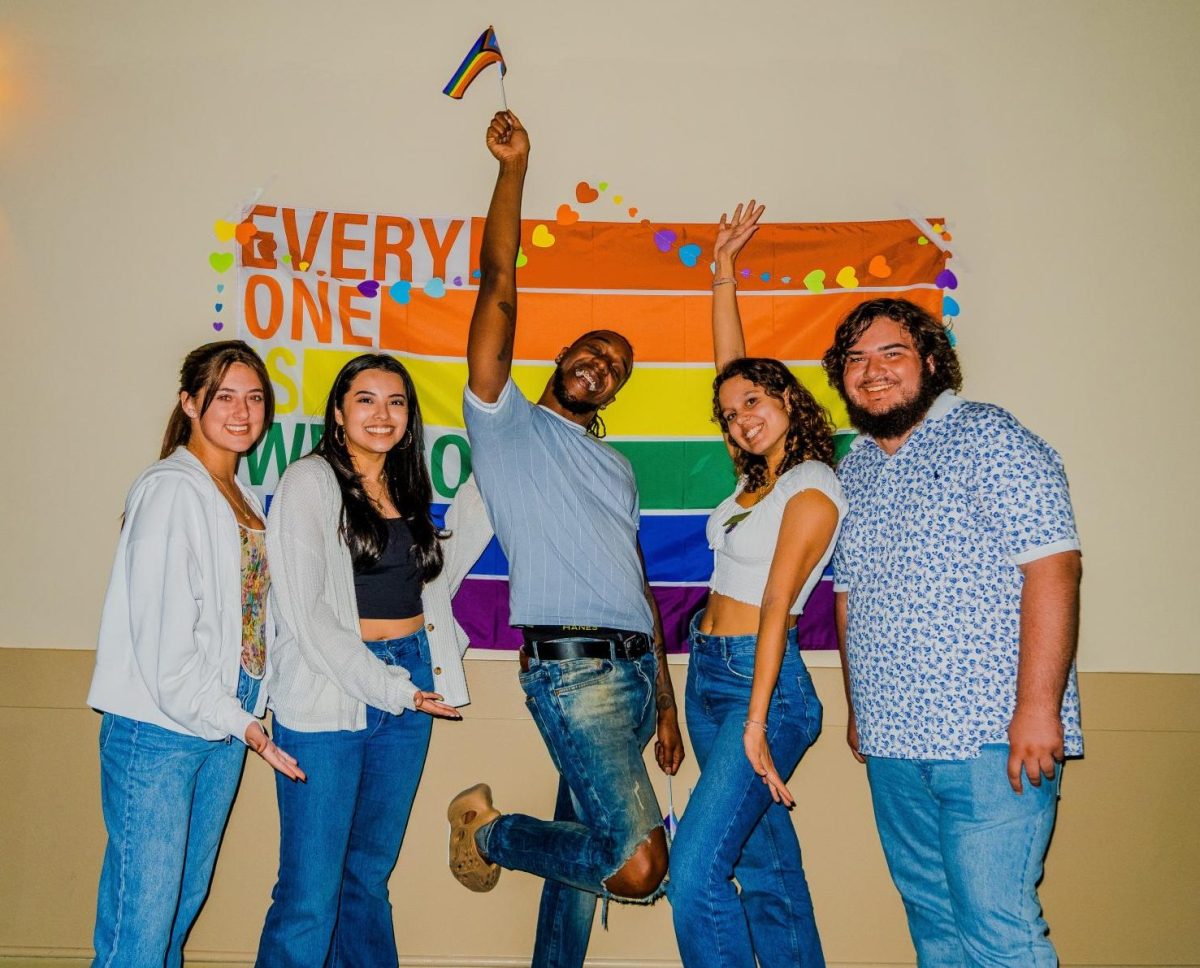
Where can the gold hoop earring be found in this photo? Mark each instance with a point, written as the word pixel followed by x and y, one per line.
pixel 339 434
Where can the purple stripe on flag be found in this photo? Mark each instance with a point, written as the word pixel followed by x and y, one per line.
pixel 481 607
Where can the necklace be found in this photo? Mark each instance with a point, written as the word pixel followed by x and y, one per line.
pixel 239 506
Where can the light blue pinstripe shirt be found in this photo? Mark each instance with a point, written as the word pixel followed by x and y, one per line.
pixel 565 509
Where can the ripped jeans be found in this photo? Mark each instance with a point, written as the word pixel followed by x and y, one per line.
pixel 596 716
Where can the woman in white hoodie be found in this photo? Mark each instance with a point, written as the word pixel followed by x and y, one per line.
pixel 183 647
pixel 368 652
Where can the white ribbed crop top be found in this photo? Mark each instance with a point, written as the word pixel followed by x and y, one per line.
pixel 743 540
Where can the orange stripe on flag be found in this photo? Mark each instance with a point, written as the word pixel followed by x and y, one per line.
pixel 664 329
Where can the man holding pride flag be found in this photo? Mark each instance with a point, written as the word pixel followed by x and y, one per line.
pixel 565 509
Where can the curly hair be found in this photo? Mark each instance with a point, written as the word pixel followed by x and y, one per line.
pixel 929 337
pixel 809 433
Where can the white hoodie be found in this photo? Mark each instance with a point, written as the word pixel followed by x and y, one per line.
pixel 170 642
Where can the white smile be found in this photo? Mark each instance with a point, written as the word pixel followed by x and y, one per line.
pixel 752 432
pixel 878 388
pixel 238 428
pixel 379 431
pixel 584 374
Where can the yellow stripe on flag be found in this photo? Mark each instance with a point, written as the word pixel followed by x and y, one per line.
pixel 657 402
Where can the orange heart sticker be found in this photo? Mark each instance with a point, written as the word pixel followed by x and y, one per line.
pixel 584 193
pixel 633 213
pixel 245 232
pixel 879 268
pixel 566 215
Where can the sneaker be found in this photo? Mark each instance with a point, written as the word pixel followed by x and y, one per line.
pixel 466 863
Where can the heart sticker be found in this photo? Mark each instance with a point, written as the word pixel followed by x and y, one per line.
pixel 223 230
pixel 566 215
pixel 946 280
pixel 220 261
pixel 950 306
pixel 245 232
pixel 633 213
pixel 815 281
pixel 218 306
pixel 218 326
pixel 458 280
pixel 522 258
pixel 617 199
pixel 846 278
pixel 541 237
pixel 664 239
pixel 401 291
pixel 879 268
pixel 369 288
pixel 584 193
pixel 688 254
pixel 220 287
pixel 435 288
pixel 603 186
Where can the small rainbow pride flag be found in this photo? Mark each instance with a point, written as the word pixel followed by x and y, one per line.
pixel 485 51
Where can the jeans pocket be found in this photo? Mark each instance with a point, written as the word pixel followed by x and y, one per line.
pixel 741 664
pixel 573 674
pixel 107 722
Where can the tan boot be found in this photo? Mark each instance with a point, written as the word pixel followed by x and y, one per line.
pixel 466 863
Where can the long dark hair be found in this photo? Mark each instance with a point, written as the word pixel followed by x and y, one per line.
pixel 202 372
pixel 928 335
pixel 809 433
pixel 362 527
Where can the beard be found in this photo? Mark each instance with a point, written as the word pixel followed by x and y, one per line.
pixel 900 419
pixel 558 386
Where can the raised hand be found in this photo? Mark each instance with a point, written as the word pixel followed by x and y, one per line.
pixel 507 138
pixel 734 233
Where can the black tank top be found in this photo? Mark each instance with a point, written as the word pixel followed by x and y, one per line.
pixel 392 587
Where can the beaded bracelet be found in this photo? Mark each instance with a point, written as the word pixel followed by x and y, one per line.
pixel 754 722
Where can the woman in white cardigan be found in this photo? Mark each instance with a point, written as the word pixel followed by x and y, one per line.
pixel 367 652
pixel 184 645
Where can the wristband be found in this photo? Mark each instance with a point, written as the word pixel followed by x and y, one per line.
pixel 724 282
pixel 747 723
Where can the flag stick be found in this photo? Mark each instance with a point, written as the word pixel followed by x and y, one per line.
pixel 503 96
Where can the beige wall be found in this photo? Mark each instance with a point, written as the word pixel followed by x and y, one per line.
pixel 1060 139
pixel 1120 886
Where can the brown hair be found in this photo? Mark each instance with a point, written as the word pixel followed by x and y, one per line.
pixel 810 431
pixel 202 372
pixel 928 335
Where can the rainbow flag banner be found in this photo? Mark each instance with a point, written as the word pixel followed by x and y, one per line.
pixel 485 51
pixel 317 287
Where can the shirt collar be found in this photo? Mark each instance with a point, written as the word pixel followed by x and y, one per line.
pixel 946 403
pixel 558 416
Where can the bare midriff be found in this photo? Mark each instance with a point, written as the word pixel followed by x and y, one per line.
pixel 727 616
pixel 380 629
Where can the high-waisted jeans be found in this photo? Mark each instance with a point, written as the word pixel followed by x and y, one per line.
pixel 340 833
pixel 596 716
pixel 731 826
pixel 166 798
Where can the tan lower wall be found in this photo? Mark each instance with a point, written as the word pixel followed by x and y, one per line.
pixel 1121 885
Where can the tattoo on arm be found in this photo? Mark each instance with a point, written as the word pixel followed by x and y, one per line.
pixel 506 348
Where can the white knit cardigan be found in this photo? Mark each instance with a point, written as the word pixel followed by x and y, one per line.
pixel 322 676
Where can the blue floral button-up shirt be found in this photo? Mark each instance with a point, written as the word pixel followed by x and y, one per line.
pixel 930 553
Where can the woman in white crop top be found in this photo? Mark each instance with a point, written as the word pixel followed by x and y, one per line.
pixel 751 708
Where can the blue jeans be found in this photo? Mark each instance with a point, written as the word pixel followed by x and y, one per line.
pixel 732 828
pixel 340 833
pixel 596 716
pixel 166 798
pixel 966 854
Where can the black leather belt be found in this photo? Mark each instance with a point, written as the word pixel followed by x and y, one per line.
pixel 555 643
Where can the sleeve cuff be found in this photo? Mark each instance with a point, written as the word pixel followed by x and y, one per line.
pixel 1045 551
pixel 473 401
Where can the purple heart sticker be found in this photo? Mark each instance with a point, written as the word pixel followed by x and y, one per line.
pixel 218 326
pixel 458 280
pixel 370 288
pixel 664 239
pixel 946 280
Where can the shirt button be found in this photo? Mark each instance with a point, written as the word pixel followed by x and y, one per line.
pixel 437 670
pixel 429 627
